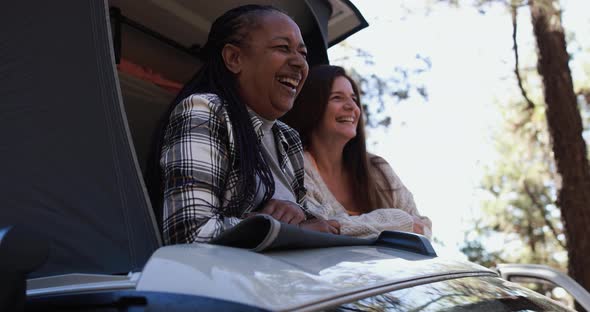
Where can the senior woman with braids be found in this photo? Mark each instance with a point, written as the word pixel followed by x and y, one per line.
pixel 224 155
pixel 344 182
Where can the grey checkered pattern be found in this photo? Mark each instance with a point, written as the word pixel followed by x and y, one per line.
pixel 200 173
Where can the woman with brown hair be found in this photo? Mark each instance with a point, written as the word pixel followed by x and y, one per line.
pixel 344 182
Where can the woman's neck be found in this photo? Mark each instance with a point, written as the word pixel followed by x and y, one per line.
pixel 328 156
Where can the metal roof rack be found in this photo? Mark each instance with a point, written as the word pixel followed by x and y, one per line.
pixel 407 241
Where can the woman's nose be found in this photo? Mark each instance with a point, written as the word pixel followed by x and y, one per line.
pixel 298 60
pixel 349 104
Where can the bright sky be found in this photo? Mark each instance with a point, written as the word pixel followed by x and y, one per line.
pixel 439 148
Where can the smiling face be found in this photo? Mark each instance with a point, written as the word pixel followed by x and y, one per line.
pixel 342 113
pixel 272 66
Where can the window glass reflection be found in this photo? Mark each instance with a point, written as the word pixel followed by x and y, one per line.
pixel 546 288
pixel 464 294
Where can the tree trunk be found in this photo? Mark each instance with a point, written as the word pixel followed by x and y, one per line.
pixel 565 127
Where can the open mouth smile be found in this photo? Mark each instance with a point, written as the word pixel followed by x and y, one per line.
pixel 289 82
pixel 349 119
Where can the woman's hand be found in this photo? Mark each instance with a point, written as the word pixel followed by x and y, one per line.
pixel 289 212
pixel 284 211
pixel 418 226
pixel 321 225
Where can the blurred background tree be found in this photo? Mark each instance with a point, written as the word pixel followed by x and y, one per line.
pixel 522 186
pixel 540 188
pixel 537 203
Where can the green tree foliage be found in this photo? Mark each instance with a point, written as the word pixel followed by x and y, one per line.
pixel 522 187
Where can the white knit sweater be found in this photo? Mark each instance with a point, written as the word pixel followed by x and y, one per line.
pixel 397 217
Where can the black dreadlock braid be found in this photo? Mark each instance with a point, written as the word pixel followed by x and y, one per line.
pixel 213 77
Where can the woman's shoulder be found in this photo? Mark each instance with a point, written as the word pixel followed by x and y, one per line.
pixel 210 98
pixel 309 160
pixel 200 109
pixel 378 161
pixel 200 102
pixel 382 169
pixel 373 157
pixel 310 166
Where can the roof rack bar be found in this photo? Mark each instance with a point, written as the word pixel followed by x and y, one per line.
pixel 407 241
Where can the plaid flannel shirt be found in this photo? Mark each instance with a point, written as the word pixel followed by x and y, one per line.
pixel 200 175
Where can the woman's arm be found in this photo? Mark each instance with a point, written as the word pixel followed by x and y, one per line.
pixel 372 223
pixel 195 163
pixel 325 205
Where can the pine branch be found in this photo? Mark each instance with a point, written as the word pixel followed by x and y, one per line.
pixel 530 104
pixel 541 208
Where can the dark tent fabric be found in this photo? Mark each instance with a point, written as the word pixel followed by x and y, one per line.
pixel 318 13
pixel 68 169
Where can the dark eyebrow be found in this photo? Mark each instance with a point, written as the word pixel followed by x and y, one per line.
pixel 301 45
pixel 353 95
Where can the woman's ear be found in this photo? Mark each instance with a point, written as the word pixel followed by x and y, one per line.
pixel 232 58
